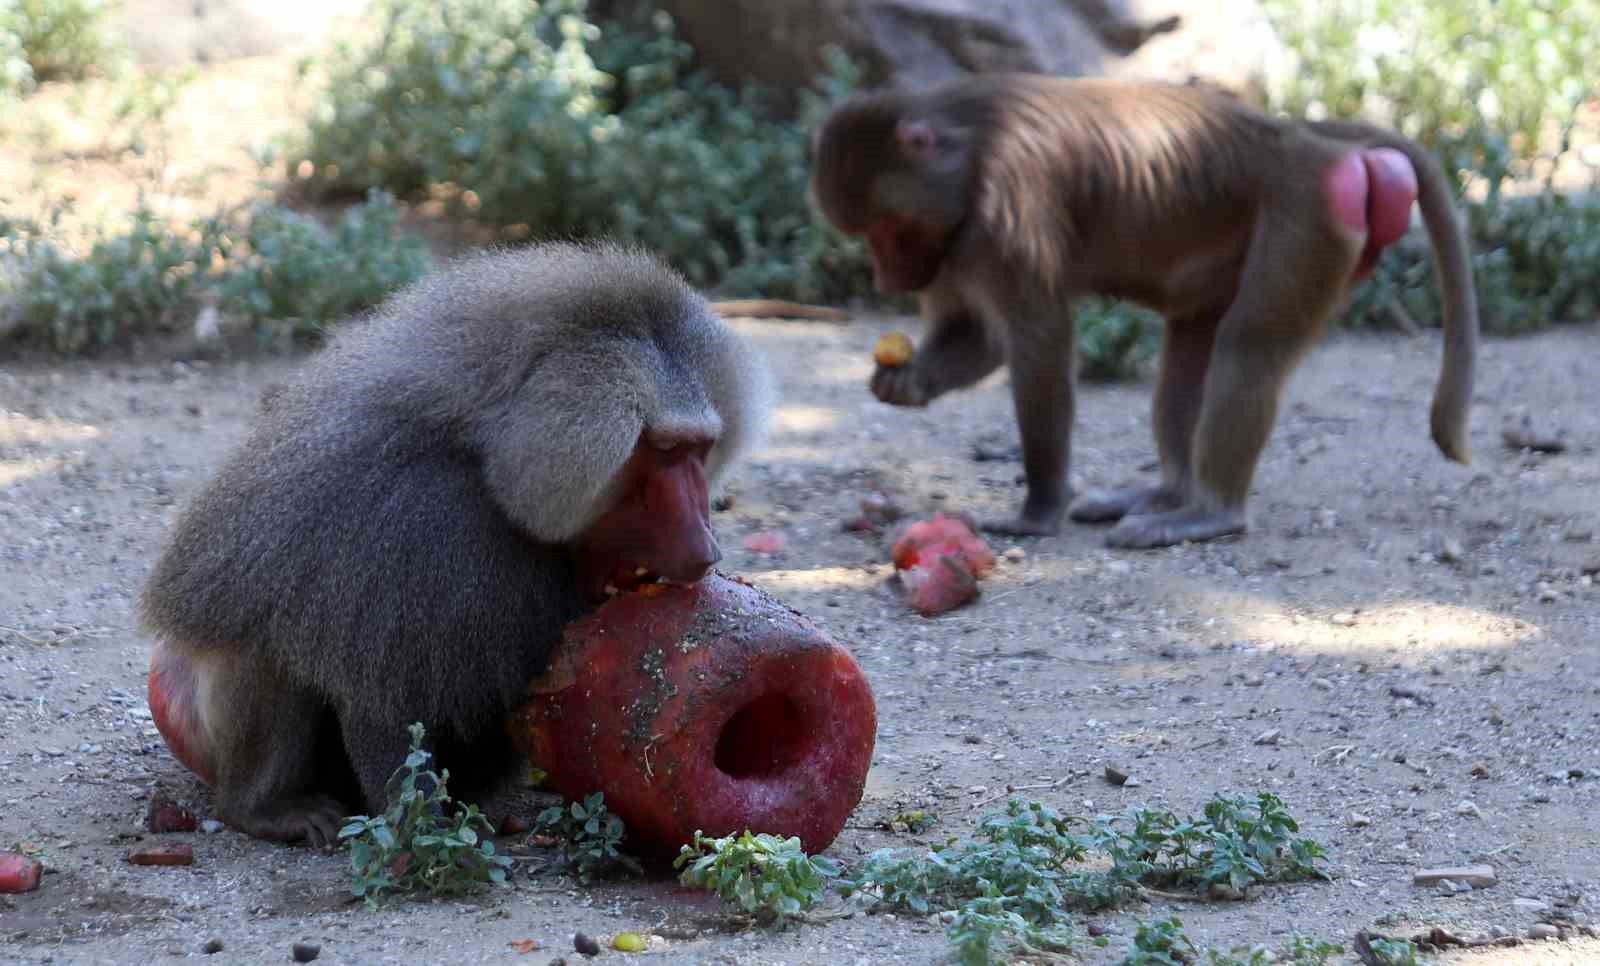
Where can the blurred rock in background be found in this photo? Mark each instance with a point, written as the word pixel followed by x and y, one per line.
pixel 916 42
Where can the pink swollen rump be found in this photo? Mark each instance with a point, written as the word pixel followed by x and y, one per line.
pixel 1372 191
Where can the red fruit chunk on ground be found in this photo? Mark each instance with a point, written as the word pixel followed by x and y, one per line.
pixel 939 583
pixel 163 855
pixel 165 815
pixel 943 536
pixel 767 541
pixel 19 873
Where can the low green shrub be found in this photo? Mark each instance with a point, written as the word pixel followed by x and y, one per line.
pixel 290 273
pixel 50 39
pixel 284 272
pixel 529 116
pixel 127 282
pixel 1115 339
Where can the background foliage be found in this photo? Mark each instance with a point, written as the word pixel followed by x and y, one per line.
pixel 49 39
pixel 528 115
pixel 536 120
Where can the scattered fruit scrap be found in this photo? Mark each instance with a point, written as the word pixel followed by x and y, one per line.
pixel 893 350
pixel 940 562
pixel 767 541
pixel 19 873
pixel 165 815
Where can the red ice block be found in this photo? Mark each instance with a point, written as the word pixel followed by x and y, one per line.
pixel 712 707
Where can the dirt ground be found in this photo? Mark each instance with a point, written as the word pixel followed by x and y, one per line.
pixel 1387 673
pixel 1405 650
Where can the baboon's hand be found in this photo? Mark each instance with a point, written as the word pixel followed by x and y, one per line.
pixel 899 386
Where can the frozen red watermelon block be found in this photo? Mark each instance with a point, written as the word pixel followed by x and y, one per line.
pixel 711 707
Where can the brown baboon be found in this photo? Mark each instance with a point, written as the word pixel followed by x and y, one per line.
pixel 1001 198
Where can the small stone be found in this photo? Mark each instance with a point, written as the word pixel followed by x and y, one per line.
pixel 1467 809
pixel 1269 737
pixel 1543 930
pixel 1575 773
pixel 1132 782
pixel 1477 876
pixel 1523 434
pixel 1223 892
pixel 1480 770
pixel 1530 905
pixel 1450 887
pixel 585 945
pixel 1015 554
pixel 1357 820
pixel 1322 684
pixel 1450 550
pixel 1254 680
pixel 1116 777
pixel 1547 594
pixel 1343 619
pixel 212 946
pixel 305 952
pixel 211 826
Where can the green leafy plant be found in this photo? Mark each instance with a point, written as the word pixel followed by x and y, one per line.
pixel 1114 339
pixel 290 271
pixel 1395 952
pixel 530 117
pixel 765 877
pixel 1164 943
pixel 1161 943
pixel 1311 951
pixel 590 836
pixel 1236 844
pixel 1017 880
pixel 419 844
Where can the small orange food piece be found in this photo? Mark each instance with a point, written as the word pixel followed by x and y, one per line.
pixel 893 349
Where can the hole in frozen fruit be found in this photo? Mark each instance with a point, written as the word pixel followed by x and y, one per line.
pixel 763 738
